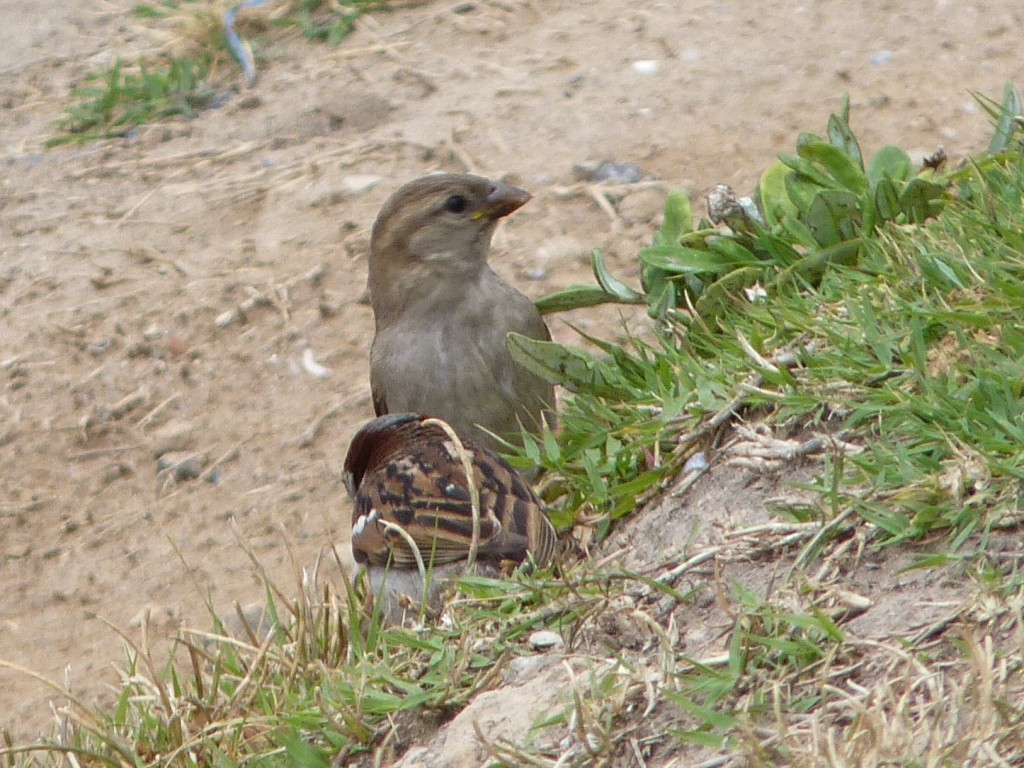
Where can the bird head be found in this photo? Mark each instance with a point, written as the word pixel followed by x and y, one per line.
pixel 434 229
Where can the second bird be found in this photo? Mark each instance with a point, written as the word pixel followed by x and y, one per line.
pixel 442 314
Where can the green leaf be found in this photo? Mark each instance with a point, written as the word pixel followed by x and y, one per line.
pixel 834 216
pixel 774 201
pixel 678 217
pixel 809 270
pixel 809 171
pixel 725 292
pixel 889 162
pixel 610 283
pixel 779 249
pixel 921 200
pixel 846 172
pixel 574 297
pixel 679 259
pixel 1006 122
pixel 887 200
pixel 801 190
pixel 575 369
pixel 731 249
pixel 841 136
pixel 663 301
pixel 799 233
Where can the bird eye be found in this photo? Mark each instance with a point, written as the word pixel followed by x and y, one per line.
pixel 456 204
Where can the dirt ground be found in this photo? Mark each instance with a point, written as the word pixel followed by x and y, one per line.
pixel 196 288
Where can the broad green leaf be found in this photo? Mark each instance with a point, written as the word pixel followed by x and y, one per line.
pixel 799 233
pixel 678 216
pixel 805 138
pixel 732 250
pixel 839 165
pixel 891 162
pixel 573 368
pixel 679 259
pixel 663 301
pixel 920 200
pixel 778 248
pixel 887 200
pixel 775 202
pixel 808 170
pixel 801 190
pixel 834 216
pixel 809 270
pixel 1006 123
pixel 840 135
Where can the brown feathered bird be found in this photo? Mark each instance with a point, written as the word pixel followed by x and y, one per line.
pixel 414 517
pixel 442 315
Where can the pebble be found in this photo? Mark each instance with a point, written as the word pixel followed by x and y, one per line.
pixel 182 466
pixel 617 173
pixel 536 273
pixel 360 182
pixel 175 436
pixel 696 463
pixel 226 318
pixel 543 639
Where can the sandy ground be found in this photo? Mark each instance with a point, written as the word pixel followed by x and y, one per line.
pixel 162 293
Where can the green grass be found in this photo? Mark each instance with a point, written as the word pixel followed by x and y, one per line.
pixel 130 94
pixel 895 335
pixel 117 102
pixel 329 22
pixel 910 342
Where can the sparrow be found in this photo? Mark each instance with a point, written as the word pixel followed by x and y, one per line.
pixel 414 515
pixel 442 314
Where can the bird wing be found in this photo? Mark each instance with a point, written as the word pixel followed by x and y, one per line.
pixel 413 502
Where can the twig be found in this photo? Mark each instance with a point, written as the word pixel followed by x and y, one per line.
pixel 145 198
pixel 97 452
pixel 145 420
pixel 226 456
pixel 807 552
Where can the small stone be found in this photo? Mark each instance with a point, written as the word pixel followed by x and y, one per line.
pixel 175 436
pixel 98 347
pixel 696 463
pixel 617 173
pixel 544 639
pixel 646 66
pixel 357 183
pixel 226 318
pixel 182 466
pixel 250 101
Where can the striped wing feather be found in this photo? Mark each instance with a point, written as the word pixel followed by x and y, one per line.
pixel 420 486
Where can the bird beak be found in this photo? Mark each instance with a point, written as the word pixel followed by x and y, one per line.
pixel 503 199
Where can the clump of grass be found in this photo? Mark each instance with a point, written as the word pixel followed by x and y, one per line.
pixel 119 101
pixel 195 39
pixel 326 21
pixel 908 344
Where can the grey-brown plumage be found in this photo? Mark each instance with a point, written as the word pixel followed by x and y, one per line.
pixel 442 315
pixel 406 472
